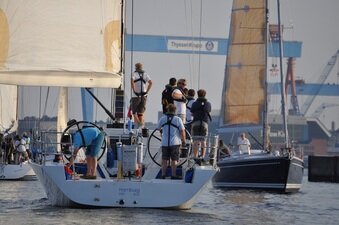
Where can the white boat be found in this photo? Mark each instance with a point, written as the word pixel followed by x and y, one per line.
pixel 244 107
pixel 73 44
pixel 16 172
pixel 130 192
pixel 8 123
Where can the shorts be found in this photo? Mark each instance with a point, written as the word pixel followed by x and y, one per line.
pixel 170 152
pixel 199 130
pixel 138 104
pixel 94 148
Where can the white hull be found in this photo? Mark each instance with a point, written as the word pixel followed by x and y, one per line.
pixel 15 172
pixel 147 192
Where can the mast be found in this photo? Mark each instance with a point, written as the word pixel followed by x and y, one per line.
pixel 283 104
pixel 265 124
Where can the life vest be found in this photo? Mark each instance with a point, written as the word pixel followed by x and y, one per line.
pixel 166 97
pixel 169 123
pixel 143 81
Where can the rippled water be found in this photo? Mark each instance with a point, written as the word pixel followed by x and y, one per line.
pixel 24 202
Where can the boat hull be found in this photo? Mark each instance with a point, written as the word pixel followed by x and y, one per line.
pixel 112 192
pixel 265 172
pixel 15 172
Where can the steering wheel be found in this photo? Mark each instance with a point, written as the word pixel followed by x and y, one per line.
pixel 66 138
pixel 154 147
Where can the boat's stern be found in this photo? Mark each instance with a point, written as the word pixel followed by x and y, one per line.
pixel 51 175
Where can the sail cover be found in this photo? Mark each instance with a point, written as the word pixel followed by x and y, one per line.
pixel 243 91
pixel 61 43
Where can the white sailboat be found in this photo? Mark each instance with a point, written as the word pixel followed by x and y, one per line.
pixel 79 44
pixel 9 125
pixel 244 108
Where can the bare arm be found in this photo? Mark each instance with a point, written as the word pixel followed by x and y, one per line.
pixel 132 85
pixel 177 95
pixel 74 155
pixel 150 83
pixel 183 136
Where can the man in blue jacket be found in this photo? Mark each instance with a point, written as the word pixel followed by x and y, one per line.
pixel 92 139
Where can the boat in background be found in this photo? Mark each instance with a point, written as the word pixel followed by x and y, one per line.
pixel 244 108
pixel 77 44
pixel 9 125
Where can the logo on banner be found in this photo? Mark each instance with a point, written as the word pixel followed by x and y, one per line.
pixel 190 45
pixel 209 45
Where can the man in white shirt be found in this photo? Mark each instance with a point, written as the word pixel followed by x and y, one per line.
pixel 244 144
pixel 180 99
pixel 141 83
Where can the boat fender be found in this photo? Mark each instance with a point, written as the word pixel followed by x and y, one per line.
pixel 110 158
pixel 68 172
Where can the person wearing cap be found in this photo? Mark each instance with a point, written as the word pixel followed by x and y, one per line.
pixel 179 98
pixel 141 84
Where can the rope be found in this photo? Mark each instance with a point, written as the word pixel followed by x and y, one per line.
pixel 200 26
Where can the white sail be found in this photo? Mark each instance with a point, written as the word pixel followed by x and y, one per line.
pixel 60 43
pixel 8 108
pixel 62 112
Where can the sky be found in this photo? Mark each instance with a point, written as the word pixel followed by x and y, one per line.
pixel 313 22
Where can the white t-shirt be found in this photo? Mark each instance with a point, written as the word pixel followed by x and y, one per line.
pixel 20 145
pixel 244 145
pixel 181 106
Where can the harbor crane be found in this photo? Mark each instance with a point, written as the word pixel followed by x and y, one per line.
pixel 290 81
pixel 321 108
pixel 322 78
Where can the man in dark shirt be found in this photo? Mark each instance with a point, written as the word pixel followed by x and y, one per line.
pixel 200 110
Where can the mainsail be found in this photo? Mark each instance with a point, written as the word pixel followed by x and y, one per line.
pixel 243 97
pixel 61 43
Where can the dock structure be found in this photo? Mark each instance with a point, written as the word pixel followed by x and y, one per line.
pixel 323 169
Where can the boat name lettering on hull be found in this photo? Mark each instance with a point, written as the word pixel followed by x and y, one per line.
pixel 133 191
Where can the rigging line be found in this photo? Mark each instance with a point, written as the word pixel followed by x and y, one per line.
pixel 46 100
pixel 123 55
pixel 53 109
pixel 189 57
pixel 199 59
pixel 132 40
pixel 164 34
pixel 192 35
pixel 96 106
